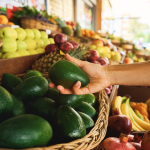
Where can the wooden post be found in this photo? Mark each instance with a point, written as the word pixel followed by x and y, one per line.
pixel 98 14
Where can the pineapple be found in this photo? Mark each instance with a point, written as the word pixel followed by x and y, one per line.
pixel 46 61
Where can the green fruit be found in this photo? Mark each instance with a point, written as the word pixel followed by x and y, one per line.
pixel 70 100
pixel 32 73
pixel 90 99
pixel 69 123
pixel 48 80
pixel 66 73
pixel 29 71
pixel 67 31
pixel 19 108
pixel 31 88
pixel 10 81
pixel 25 131
pixel 6 104
pixel 52 93
pixel 43 107
pixel 88 121
pixel 87 109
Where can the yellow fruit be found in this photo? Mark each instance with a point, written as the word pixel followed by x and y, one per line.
pixel 3 19
pixel 108 55
pixel 117 56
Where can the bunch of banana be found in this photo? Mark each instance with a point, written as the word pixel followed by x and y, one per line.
pixel 120 106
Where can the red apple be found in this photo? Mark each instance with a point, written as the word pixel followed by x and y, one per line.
pixel 66 46
pixel 95 62
pixel 110 87
pixel 98 42
pixel 103 60
pixel 60 38
pixel 92 55
pixel 75 44
pixel 108 91
pixel 51 48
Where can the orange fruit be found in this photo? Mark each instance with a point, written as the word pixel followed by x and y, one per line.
pixel 3 19
pixel 10 23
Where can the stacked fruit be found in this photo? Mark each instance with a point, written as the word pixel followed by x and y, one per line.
pixel 103 48
pixel 22 42
pixel 88 33
pixel 4 20
pixel 33 110
pixel 136 112
pixel 71 24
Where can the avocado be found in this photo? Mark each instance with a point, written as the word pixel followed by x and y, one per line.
pixel 10 81
pixel 90 99
pixel 25 131
pixel 70 100
pixel 6 104
pixel 28 71
pixel 32 73
pixel 18 108
pixel 52 93
pixel 67 31
pixel 87 109
pixel 88 121
pixel 43 107
pixel 69 123
pixel 66 73
pixel 31 88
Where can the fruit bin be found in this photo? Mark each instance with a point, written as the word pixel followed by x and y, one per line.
pixel 31 23
pixel 97 133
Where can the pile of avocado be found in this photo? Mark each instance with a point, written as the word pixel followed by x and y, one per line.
pixel 34 115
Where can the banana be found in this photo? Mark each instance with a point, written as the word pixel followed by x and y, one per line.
pixel 131 117
pixel 116 105
pixel 142 123
pixel 124 110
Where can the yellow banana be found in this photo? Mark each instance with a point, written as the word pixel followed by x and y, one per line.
pixel 131 117
pixel 116 104
pixel 124 110
pixel 142 123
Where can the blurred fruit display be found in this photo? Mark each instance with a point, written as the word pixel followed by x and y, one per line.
pixel 22 42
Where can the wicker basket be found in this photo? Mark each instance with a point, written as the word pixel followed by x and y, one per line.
pixel 127 46
pixel 31 23
pixel 94 137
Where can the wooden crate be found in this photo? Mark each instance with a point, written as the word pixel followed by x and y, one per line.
pixel 138 94
pixel 18 65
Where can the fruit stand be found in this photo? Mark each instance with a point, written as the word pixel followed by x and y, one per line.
pixel 32 55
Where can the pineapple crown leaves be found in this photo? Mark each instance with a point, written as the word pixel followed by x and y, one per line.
pixel 80 53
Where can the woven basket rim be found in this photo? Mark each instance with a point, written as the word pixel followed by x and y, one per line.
pixel 90 140
pixel 45 23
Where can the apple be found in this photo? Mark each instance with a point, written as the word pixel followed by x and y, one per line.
pixel 21 45
pixel 32 52
pixel 95 36
pixel 51 41
pixel 92 55
pixel 95 62
pixel 40 50
pixel 128 60
pixel 108 55
pixel 8 32
pixel 6 54
pixel 60 38
pixel 39 43
pixel 66 46
pixel 9 45
pixel 51 48
pixel 45 41
pixel 75 44
pixel 44 35
pixel 104 61
pixel 12 55
pixel 31 44
pixel 92 47
pixel 110 87
pixel 37 33
pixel 108 91
pixel 23 52
pixel 1 54
pixel 98 42
pixel 29 34
pixel 21 33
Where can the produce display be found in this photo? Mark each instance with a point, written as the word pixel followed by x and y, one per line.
pixel 4 20
pixel 40 111
pixel 22 42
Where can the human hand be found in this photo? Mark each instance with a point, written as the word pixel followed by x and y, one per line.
pixel 96 73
